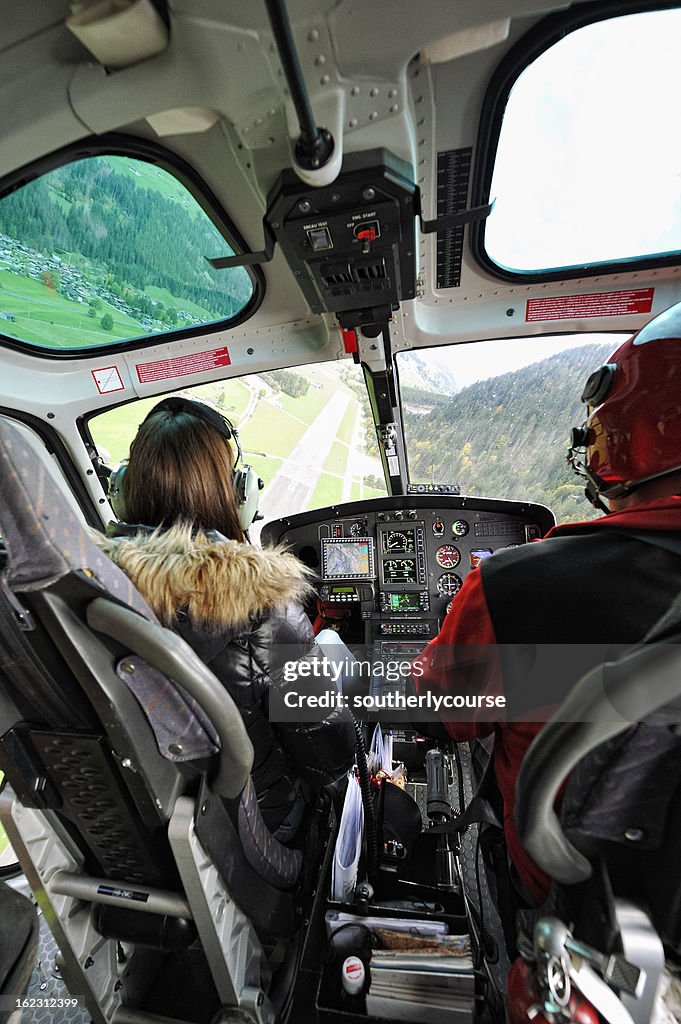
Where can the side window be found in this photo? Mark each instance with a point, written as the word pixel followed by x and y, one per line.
pixel 107 250
pixel 587 164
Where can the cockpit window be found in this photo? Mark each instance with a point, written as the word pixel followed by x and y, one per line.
pixel 106 250
pixel 495 417
pixel 587 165
pixel 308 433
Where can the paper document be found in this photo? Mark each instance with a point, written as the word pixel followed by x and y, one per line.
pixel 348 844
pixel 382 751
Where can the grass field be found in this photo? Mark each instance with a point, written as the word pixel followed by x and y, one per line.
pixel 337 459
pixel 237 396
pixel 329 491
pixel 46 318
pixel 163 295
pixel 271 430
pixel 347 428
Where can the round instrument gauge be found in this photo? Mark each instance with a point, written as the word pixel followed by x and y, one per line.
pixel 449 584
pixel 460 527
pixel 357 529
pixel 448 556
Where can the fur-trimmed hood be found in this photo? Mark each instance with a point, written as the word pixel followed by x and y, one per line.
pixel 220 584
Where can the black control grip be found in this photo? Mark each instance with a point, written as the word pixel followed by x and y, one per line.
pixel 437 785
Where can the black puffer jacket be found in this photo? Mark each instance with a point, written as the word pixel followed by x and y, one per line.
pixel 240 608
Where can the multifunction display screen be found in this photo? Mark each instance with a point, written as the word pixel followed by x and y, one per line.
pixel 399 542
pixel 399 570
pixel 404 602
pixel 348 558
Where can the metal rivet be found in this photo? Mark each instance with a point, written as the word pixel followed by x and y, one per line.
pixel 175 748
pixel 304 205
pixel 354 91
pixel 249 351
pixel 50 415
pixel 634 835
pixel 369 194
pixel 510 312
pixel 127 667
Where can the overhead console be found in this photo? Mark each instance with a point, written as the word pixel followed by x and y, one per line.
pixel 351 245
pixel 396 564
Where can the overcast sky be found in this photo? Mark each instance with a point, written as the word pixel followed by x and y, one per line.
pixel 589 160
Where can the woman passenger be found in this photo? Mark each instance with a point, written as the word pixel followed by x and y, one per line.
pixel 240 607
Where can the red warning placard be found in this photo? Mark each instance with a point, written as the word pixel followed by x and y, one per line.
pixel 568 307
pixel 182 366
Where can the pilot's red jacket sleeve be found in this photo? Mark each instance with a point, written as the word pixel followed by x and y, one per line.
pixel 462 659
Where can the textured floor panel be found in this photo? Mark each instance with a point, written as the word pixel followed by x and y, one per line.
pixel 46 982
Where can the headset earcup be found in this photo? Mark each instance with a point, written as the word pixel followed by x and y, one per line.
pixel 247 487
pixel 116 499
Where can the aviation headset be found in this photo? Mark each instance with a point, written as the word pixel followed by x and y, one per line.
pixel 245 481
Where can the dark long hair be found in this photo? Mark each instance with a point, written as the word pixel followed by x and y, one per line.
pixel 181 470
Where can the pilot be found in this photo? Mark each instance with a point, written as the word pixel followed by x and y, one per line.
pixel 183 543
pixel 596 586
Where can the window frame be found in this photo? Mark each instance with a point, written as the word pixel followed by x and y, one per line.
pixel 115 144
pixel 529 47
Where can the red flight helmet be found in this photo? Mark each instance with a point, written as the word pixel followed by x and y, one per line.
pixel 632 434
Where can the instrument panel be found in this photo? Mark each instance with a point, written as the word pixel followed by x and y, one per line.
pixel 398 563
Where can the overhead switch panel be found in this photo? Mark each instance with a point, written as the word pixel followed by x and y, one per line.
pixel 351 245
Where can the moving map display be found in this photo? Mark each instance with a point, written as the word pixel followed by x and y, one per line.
pixel 348 558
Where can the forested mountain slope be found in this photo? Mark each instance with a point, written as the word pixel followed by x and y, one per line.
pixel 507 437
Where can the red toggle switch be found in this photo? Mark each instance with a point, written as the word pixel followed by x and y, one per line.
pixel 367 234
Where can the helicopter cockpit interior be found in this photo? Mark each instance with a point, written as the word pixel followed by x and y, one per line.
pixel 387 243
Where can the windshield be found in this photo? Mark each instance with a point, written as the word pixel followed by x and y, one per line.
pixel 307 432
pixel 495 417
